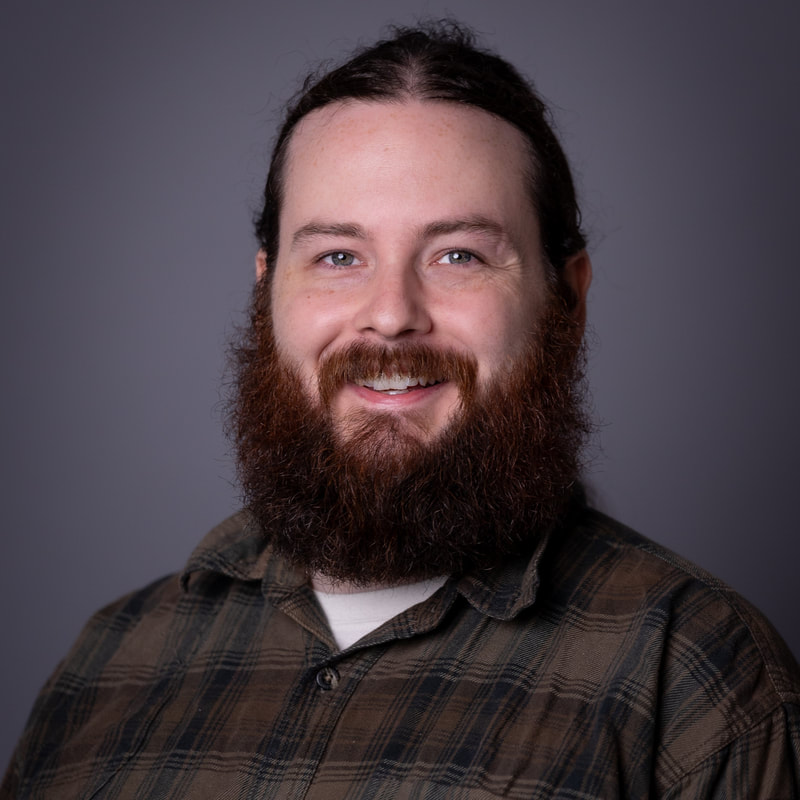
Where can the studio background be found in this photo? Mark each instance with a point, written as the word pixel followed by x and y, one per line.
pixel 135 139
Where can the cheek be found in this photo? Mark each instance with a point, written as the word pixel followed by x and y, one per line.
pixel 304 325
pixel 292 329
pixel 495 331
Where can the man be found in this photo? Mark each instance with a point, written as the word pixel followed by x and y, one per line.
pixel 417 601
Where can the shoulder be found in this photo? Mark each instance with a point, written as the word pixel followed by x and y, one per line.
pixel 132 654
pixel 120 632
pixel 718 680
pixel 160 623
pixel 603 566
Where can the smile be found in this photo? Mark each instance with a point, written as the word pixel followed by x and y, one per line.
pixel 398 384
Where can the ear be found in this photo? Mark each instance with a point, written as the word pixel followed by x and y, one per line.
pixel 261 264
pixel 578 274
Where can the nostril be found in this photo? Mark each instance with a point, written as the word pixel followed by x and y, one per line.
pixel 393 312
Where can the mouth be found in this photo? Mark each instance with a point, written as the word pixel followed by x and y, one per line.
pixel 398 384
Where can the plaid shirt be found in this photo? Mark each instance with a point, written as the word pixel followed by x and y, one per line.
pixel 603 666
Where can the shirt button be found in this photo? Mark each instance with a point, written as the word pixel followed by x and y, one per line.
pixel 327 679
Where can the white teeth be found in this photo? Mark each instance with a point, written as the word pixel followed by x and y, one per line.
pixel 396 383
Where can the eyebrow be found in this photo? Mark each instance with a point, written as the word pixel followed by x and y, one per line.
pixel 314 229
pixel 472 224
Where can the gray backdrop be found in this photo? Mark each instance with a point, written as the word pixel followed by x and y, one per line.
pixel 134 143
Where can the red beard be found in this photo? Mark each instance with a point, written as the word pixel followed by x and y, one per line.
pixel 378 505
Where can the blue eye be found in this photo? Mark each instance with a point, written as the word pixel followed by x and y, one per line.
pixel 340 259
pixel 458 257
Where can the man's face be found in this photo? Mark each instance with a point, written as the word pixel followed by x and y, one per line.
pixel 405 224
pixel 408 378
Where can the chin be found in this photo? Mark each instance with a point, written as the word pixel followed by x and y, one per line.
pixel 387 432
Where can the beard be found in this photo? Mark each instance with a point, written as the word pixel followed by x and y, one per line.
pixel 377 499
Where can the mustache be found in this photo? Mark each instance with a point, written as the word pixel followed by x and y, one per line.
pixel 364 361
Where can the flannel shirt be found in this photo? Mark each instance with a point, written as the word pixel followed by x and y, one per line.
pixel 602 666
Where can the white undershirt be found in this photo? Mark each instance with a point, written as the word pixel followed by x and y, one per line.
pixel 354 615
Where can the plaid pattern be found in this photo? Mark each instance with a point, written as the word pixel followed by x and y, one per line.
pixel 601 667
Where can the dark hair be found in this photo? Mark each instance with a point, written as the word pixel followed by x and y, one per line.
pixel 440 61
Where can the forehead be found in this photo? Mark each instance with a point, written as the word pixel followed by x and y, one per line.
pixel 418 157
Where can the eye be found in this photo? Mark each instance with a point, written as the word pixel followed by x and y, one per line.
pixel 457 257
pixel 339 258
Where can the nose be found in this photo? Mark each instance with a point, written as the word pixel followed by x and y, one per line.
pixel 393 305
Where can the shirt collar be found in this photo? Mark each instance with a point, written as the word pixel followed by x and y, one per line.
pixel 236 548
pixel 506 590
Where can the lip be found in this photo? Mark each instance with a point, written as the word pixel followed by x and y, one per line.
pixel 414 396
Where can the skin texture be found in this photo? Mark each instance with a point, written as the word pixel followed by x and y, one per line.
pixel 406 222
